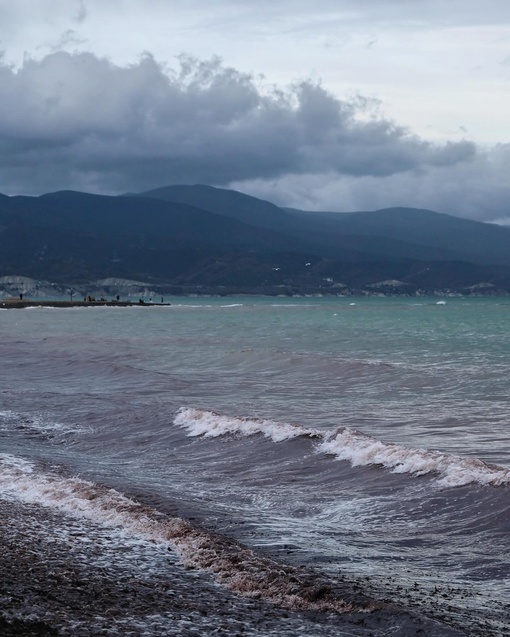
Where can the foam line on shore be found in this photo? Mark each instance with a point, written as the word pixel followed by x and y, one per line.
pixel 236 567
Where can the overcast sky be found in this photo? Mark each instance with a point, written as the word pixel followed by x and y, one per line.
pixel 324 104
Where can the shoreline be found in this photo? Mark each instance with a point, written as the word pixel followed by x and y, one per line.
pixel 18 304
pixel 63 576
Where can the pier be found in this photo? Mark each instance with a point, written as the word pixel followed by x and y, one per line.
pixel 18 304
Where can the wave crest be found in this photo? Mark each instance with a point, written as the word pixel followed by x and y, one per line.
pixel 362 450
pixel 209 424
pixel 354 446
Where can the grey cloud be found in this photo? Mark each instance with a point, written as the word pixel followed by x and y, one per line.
pixel 76 121
pixel 69 38
pixel 476 189
pixel 81 14
pixel 415 12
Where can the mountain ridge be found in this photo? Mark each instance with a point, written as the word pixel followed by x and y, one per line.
pixel 322 225
pixel 206 238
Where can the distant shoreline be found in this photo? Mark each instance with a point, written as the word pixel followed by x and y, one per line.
pixel 18 304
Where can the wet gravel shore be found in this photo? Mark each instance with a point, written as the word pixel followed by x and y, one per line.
pixel 66 577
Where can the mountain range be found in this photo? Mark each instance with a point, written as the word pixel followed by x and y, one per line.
pixel 201 239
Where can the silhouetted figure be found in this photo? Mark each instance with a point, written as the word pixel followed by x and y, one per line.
pixel 21 297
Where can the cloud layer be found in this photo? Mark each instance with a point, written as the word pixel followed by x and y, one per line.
pixel 478 189
pixel 79 121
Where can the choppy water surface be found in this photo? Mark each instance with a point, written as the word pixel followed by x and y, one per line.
pixel 362 440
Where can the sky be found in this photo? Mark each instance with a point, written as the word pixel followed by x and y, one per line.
pixel 336 105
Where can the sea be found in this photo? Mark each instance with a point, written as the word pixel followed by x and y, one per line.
pixel 262 465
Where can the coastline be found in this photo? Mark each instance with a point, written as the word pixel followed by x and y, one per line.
pixel 17 304
pixel 63 576
pixel 11 287
pixel 60 576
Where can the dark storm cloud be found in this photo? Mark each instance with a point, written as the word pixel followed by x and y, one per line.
pixel 78 121
pixel 476 189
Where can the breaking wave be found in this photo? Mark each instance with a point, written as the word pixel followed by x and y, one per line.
pixel 234 566
pixel 210 424
pixel 349 444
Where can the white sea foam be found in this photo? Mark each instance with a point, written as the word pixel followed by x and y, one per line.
pixel 292 305
pixel 235 567
pixel 199 422
pixel 454 470
pixel 37 423
pixel 13 463
pixel 7 414
pixel 351 445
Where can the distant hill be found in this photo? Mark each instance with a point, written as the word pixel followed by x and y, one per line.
pixel 407 233
pixel 228 203
pixel 80 235
pixel 205 239
pixel 450 237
